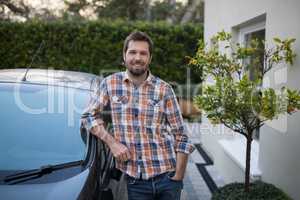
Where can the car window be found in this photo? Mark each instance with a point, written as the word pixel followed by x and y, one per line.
pixel 40 125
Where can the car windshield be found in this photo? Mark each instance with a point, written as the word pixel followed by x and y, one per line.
pixel 40 125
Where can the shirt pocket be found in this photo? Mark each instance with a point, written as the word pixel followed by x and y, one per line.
pixel 154 112
pixel 119 106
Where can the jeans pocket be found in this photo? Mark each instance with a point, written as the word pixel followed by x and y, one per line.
pixel 175 183
pixel 170 175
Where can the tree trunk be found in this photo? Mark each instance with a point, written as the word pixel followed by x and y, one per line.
pixel 248 159
pixel 147 4
pixel 171 18
pixel 191 9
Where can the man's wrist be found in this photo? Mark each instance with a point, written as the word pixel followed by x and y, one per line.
pixel 101 133
pixel 108 139
pixel 178 176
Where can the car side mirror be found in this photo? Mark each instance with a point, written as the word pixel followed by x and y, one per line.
pixel 83 134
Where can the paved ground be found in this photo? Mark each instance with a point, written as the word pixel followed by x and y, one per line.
pixel 201 176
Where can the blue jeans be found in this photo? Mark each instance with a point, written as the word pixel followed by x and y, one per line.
pixel 160 187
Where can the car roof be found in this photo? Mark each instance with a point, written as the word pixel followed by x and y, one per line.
pixel 80 80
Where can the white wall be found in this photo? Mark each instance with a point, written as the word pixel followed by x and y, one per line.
pixel 280 141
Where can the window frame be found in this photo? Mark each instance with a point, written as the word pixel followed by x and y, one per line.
pixel 242 33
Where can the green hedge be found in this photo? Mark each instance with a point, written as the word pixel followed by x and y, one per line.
pixel 96 46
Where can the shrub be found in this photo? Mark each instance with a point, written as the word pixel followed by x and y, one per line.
pixel 258 191
pixel 96 46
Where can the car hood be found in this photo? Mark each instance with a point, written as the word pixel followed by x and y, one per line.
pixel 67 190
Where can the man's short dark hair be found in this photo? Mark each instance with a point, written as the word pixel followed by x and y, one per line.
pixel 138 36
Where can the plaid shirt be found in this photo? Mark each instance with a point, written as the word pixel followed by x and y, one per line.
pixel 147 119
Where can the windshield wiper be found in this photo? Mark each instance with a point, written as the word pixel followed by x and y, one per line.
pixel 36 173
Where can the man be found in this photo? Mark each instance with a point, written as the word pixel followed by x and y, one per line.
pixel 149 140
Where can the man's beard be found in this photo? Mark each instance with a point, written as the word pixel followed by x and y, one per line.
pixel 137 72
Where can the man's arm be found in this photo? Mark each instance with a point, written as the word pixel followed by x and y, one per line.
pixel 183 147
pixel 119 151
pixel 181 163
pixel 93 121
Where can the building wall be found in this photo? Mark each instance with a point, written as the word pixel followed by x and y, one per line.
pixel 279 144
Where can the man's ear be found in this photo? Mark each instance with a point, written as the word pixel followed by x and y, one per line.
pixel 123 61
pixel 124 57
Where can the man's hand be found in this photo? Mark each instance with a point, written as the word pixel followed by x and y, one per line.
pixel 119 151
pixel 177 177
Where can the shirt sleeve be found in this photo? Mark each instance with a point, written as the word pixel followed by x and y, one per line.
pixel 99 100
pixel 178 128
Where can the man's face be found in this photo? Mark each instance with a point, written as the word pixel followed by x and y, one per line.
pixel 137 57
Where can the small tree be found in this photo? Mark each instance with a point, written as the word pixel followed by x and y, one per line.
pixel 235 100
